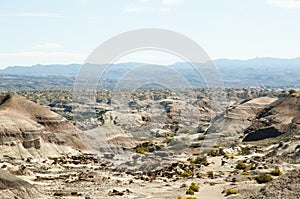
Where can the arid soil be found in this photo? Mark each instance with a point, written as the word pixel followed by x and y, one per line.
pixel 157 145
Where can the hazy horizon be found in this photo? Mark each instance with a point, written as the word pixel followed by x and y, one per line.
pixel 168 63
pixel 63 32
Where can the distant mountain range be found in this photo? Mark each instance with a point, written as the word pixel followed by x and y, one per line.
pixel 272 72
pixel 43 70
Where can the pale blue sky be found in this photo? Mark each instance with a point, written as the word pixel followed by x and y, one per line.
pixel 66 31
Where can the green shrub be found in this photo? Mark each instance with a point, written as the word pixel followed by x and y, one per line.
pixel 246 151
pixel 189 192
pixel 221 151
pixel 179 197
pixel 201 137
pixel 194 187
pixel 141 149
pixel 271 154
pixel 200 160
pixel 210 174
pixel 186 174
pixel 190 197
pixel 221 173
pixel 263 178
pixel 212 183
pixel 276 172
pixel 245 173
pixel 167 140
pixel 252 167
pixel 183 185
pixel 213 153
pixel 231 191
pixel 69 117
pixel 195 145
pixel 291 91
pixel 241 166
pixel 227 156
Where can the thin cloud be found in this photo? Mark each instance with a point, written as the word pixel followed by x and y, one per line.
pixel 132 9
pixel 33 14
pixel 47 46
pixel 33 57
pixel 171 2
pixel 143 1
pixel 164 2
pixel 35 54
pixel 286 4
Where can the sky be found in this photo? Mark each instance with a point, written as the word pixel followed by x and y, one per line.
pixel 67 31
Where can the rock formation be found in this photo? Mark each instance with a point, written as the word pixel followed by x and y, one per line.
pixel 287 186
pixel 13 187
pixel 28 129
pixel 280 117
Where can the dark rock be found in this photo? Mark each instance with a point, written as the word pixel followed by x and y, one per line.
pixel 261 134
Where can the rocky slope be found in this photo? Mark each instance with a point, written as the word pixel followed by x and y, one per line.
pixel 139 153
pixel 280 117
pixel 28 129
pixel 13 187
pixel 287 186
pixel 240 115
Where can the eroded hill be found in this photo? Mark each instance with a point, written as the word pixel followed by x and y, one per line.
pixel 154 145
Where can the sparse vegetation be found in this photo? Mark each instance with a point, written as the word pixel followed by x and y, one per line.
pixel 221 151
pixel 212 183
pixel 231 191
pixel 70 117
pixel 241 166
pixel 252 167
pixel 183 185
pixel 245 173
pixel 221 173
pixel 276 172
pixel 194 187
pixel 189 192
pixel 141 149
pixel 201 137
pixel 213 153
pixel 195 145
pixel 186 174
pixel 177 170
pixel 245 151
pixel 210 174
pixel 167 140
pixel 227 156
pixel 291 91
pixel 271 153
pixel 263 178
pixel 201 161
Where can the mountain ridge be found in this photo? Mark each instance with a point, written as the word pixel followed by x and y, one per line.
pixel 257 72
pixel 72 69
